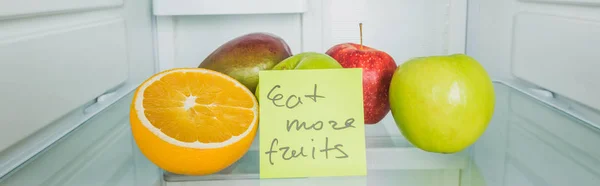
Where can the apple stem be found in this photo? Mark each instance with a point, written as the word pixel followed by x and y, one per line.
pixel 361 42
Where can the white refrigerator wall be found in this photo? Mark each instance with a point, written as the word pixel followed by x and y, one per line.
pixel 549 43
pixel 403 28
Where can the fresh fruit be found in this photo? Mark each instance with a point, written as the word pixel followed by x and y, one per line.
pixel 306 60
pixel 442 104
pixel 243 57
pixel 378 69
pixel 193 121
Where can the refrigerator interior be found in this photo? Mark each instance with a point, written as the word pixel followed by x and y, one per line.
pixel 69 68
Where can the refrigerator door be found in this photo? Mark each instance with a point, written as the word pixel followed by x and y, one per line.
pixel 551 44
pixel 547 132
pixel 64 61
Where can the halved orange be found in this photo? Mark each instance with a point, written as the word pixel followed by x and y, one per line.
pixel 193 121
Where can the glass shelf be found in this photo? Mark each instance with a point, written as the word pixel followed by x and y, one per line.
pixel 528 142
pixel 384 153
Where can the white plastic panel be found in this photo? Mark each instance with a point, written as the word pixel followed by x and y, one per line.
pixel 402 28
pixel 548 43
pixel 227 7
pixel 195 37
pixel 10 8
pixel 576 2
pixel 63 63
pixel 405 29
pixel 489 35
pixel 47 75
pixel 560 54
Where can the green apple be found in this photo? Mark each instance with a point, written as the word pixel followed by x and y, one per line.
pixel 442 104
pixel 305 60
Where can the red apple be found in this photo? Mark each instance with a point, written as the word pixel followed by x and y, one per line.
pixel 378 69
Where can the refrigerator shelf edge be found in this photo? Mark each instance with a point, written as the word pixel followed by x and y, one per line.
pixel 561 106
pixel 379 150
pixel 223 7
pixel 27 149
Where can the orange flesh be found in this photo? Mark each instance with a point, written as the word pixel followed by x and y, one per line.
pixel 192 107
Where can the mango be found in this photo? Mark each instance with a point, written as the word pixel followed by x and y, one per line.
pixel 244 56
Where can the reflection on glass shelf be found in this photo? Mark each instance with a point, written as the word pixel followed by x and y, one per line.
pixel 383 153
pixel 99 152
pixel 375 177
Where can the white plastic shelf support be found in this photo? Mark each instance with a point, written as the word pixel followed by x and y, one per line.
pixel 227 7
